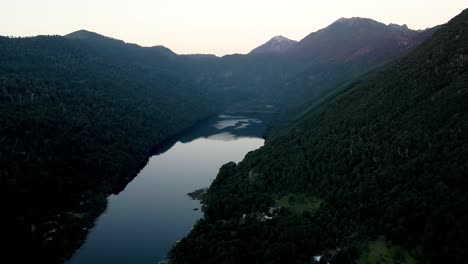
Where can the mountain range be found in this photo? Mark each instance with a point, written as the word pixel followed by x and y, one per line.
pixel 302 72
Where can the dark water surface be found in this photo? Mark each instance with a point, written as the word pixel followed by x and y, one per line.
pixel 142 222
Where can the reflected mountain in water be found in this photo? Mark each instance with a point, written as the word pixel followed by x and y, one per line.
pixel 224 127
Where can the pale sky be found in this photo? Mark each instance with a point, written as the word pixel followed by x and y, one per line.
pixel 210 26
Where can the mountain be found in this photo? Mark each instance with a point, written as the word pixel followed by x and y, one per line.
pixel 308 70
pixel 78 119
pixel 124 53
pixel 375 173
pixel 277 44
pixel 85 34
pixel 338 53
pixel 349 39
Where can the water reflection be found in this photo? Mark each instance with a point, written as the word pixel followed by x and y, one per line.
pixel 225 136
pixel 251 126
pixel 236 123
pixel 142 222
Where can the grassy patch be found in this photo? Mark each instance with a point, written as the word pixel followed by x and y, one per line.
pixel 380 251
pixel 299 203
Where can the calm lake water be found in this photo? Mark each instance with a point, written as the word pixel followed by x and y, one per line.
pixel 142 222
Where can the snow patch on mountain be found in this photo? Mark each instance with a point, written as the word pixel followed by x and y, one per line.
pixel 277 44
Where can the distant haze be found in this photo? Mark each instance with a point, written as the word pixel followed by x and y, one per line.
pixel 210 26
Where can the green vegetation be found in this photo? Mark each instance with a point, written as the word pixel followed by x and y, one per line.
pixel 299 203
pixel 387 156
pixel 380 252
pixel 75 126
pixel 198 194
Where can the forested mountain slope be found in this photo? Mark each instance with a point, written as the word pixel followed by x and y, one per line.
pixel 342 51
pixel 378 173
pixel 307 70
pixel 75 126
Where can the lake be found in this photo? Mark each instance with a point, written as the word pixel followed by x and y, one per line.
pixel 142 222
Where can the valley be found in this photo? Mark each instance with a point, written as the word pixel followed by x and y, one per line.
pixel 348 145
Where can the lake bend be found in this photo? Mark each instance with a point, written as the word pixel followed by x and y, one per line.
pixel 142 223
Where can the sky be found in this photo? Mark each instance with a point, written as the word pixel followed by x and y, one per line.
pixel 210 26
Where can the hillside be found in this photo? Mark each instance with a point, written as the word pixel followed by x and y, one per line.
pixel 341 52
pixel 376 174
pixel 75 126
pixel 348 39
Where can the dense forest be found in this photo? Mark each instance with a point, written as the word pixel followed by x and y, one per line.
pixel 74 127
pixel 376 173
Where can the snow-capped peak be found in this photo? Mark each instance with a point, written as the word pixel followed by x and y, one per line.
pixel 280 38
pixel 277 44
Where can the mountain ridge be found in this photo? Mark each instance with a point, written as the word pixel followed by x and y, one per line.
pixel 265 47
